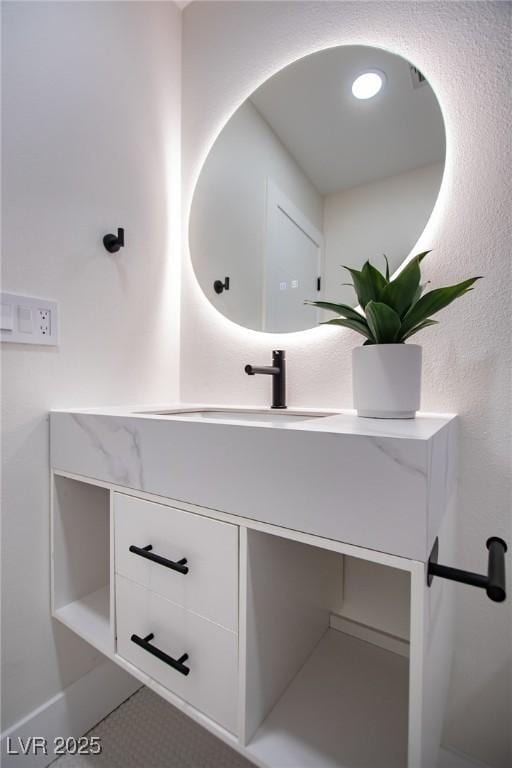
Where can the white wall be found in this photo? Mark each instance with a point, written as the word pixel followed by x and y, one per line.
pixel 385 216
pixel 90 141
pixel 232 47
pixel 227 229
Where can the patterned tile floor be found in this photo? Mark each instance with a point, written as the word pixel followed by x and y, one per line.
pixel 147 732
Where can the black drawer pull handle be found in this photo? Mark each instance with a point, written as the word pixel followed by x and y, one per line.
pixel 177 664
pixel 493 582
pixel 146 552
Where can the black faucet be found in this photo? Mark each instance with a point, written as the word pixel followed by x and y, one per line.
pixel 278 372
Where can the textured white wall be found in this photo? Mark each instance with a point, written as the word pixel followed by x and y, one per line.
pixel 463 49
pixel 385 216
pixel 90 141
pixel 229 221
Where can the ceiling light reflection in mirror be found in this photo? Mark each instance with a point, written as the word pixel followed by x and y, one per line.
pixel 368 85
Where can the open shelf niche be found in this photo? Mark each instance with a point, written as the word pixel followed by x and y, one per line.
pixel 81 569
pixel 316 696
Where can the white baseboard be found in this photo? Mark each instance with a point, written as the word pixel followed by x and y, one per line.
pixel 72 712
pixel 369 634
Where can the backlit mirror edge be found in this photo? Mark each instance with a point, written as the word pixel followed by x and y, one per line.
pixel 423 242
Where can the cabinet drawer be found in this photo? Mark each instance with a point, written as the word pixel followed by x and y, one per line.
pixel 210 586
pixel 211 683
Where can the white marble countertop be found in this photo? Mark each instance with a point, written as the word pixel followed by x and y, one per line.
pixel 379 483
pixel 344 421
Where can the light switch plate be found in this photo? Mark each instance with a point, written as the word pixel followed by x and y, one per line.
pixel 25 319
pixel 28 320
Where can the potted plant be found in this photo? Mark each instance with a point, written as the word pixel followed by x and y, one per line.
pixel 386 372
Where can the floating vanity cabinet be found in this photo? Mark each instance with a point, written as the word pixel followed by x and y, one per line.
pixel 297 648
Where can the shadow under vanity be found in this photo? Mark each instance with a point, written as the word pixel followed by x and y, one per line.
pixel 268 578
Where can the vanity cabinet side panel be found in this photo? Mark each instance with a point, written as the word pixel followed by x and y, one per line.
pixel 431 652
pixel 291 588
pixel 438 652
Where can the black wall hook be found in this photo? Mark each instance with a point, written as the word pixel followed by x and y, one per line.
pixel 493 583
pixel 113 243
pixel 220 286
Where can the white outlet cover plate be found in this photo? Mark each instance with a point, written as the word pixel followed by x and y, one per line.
pixel 21 321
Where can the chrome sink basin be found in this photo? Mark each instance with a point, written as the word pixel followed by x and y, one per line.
pixel 247 415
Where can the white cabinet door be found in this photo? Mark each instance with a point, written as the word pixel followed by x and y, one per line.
pixel 210 587
pixel 212 652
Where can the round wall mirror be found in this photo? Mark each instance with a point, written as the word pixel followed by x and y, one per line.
pixel 336 159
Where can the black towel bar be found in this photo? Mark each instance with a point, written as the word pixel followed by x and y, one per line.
pixel 493 582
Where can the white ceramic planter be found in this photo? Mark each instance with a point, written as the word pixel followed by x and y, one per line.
pixel 386 380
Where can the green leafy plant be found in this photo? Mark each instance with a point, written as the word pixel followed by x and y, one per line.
pixel 392 310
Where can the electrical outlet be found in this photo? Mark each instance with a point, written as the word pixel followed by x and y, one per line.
pixel 45 322
pixel 27 320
